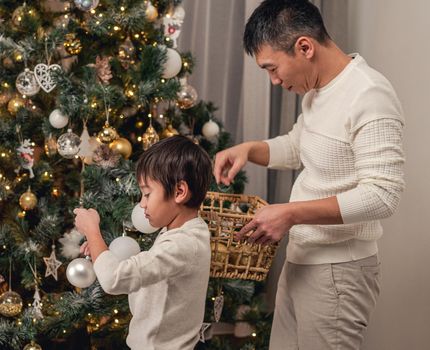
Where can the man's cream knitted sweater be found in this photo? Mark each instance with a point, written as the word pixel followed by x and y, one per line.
pixel 348 140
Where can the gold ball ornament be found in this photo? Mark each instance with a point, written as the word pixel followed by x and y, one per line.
pixel 121 146
pixel 150 137
pixel 10 304
pixel 28 200
pixel 32 346
pixel 15 104
pixel 21 13
pixel 8 63
pixel 169 131
pixel 72 44
pixel 108 134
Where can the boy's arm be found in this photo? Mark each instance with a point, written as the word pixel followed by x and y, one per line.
pixel 87 222
pixel 166 259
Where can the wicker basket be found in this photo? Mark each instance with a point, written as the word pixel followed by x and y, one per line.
pixel 225 215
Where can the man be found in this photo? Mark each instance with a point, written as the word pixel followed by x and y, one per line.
pixel 348 142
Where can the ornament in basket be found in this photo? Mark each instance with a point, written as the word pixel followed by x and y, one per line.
pixel 225 215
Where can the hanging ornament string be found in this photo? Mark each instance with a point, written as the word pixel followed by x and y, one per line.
pixel 108 133
pixel 10 273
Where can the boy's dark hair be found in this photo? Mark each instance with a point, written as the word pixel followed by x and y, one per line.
pixel 175 159
pixel 279 23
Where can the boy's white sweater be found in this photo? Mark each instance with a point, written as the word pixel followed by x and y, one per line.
pixel 348 140
pixel 166 286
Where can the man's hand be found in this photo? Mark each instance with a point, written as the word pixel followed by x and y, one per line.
pixel 229 162
pixel 270 224
pixel 87 221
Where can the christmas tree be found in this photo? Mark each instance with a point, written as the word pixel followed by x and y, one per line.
pixel 86 86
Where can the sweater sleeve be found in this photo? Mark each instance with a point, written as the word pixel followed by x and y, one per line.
pixel 169 258
pixel 284 151
pixel 379 159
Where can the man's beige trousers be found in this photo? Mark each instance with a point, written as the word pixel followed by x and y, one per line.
pixel 324 307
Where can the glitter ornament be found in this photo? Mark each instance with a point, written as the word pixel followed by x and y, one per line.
pixel 57 119
pixel 108 134
pixel 28 200
pixel 5 97
pixel 26 83
pixel 72 44
pixel 169 131
pixel 68 144
pixel 173 64
pixel 20 13
pixel 10 304
pixel 150 137
pixel 32 346
pixel 80 273
pixel 86 5
pixel 121 146
pixel 187 95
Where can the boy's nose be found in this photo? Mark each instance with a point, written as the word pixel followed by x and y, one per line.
pixel 142 203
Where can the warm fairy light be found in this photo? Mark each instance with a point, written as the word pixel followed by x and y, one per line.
pixel 161 116
pixel 122 8
pixel 89 314
pixel 116 321
pixel 136 36
pixel 101 15
pixel 5 84
pixel 115 311
pixel 93 11
pixel 213 298
pixel 149 115
pixel 117 179
pixel 7 187
pixel 254 334
pixel 3 154
pixel 64 331
pixel 97 22
pixel 94 105
pixel 163 81
pixel 116 28
pixel 139 138
pixel 185 64
pixel 167 39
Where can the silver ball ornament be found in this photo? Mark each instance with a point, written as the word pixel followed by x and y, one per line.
pixel 80 273
pixel 32 346
pixel 26 83
pixel 124 247
pixel 187 96
pixel 140 222
pixel 68 144
pixel 86 5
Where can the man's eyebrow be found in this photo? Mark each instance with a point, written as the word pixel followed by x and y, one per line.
pixel 267 65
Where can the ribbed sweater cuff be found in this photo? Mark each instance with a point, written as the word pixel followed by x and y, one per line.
pixel 276 153
pixel 351 206
pixel 105 265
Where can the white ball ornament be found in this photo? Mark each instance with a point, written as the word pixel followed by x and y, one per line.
pixel 210 129
pixel 140 222
pixel 124 247
pixel 57 119
pixel 80 273
pixel 26 83
pixel 179 13
pixel 173 64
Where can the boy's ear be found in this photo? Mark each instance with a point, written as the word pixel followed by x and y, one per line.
pixel 182 192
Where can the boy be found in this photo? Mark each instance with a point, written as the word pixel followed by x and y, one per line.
pixel 166 285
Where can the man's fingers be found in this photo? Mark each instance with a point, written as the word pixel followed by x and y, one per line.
pixel 245 229
pixel 256 235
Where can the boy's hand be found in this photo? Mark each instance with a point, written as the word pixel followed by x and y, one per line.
pixel 87 221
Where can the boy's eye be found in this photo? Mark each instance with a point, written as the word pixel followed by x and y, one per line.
pixel 146 195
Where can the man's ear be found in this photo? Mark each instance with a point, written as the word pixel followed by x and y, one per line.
pixel 182 192
pixel 305 46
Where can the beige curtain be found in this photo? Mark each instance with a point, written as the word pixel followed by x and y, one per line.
pixel 212 31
